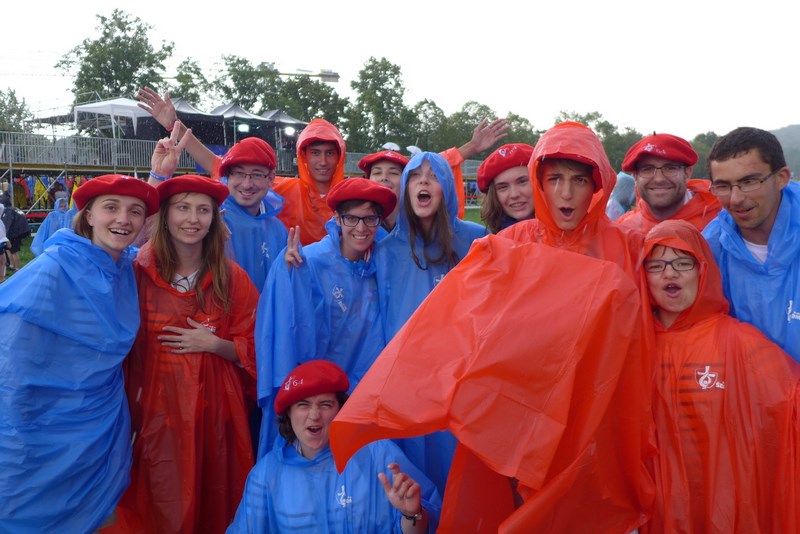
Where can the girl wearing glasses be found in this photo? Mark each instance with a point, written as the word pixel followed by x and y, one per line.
pixel 724 402
pixel 325 304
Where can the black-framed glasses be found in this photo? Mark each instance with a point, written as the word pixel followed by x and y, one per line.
pixel 670 170
pixel 255 176
pixel 352 220
pixel 745 185
pixel 678 264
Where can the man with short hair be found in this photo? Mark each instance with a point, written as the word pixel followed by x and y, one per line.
pixel 662 166
pixel 755 237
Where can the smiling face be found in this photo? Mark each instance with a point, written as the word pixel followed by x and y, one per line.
pixel 356 240
pixel 514 192
pixel 424 193
pixel 387 173
pixel 189 218
pixel 672 291
pixel 311 419
pixel 248 191
pixel 753 211
pixel 115 220
pixel 568 188
pixel 664 195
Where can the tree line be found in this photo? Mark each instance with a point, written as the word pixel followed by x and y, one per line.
pixel 121 57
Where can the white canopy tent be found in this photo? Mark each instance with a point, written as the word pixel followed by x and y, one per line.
pixel 117 107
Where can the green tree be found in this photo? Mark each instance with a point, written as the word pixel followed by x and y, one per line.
pixel 615 142
pixel 378 113
pixel 702 144
pixel 429 125
pixel 191 83
pixel 14 113
pixel 254 87
pixel 521 130
pixel 307 99
pixel 458 127
pixel 119 61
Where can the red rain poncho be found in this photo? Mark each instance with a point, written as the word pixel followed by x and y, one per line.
pixel 595 235
pixel 726 413
pixel 192 449
pixel 303 206
pixel 699 211
pixel 531 356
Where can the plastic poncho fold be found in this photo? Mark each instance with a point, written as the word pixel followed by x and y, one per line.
pixel 595 235
pixel 701 209
pixel 327 308
pixel 60 217
pixel 304 206
pixel 285 492
pixel 726 413
pixel 192 448
pixel 68 320
pixel 255 239
pixel 532 357
pixel 766 296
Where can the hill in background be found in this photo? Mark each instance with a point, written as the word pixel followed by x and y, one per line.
pixel 789 136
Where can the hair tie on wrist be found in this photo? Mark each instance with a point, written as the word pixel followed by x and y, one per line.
pixel 158 176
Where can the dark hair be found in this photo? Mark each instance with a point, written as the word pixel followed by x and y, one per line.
pixel 347 205
pixel 214 259
pixel 285 424
pixel 744 139
pixel 80 224
pixel 492 213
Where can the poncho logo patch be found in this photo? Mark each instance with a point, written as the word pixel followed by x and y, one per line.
pixel 265 251
pixel 342 498
pixel 707 379
pixel 338 296
pixel 792 315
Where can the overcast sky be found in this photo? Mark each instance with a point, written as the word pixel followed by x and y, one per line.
pixel 682 67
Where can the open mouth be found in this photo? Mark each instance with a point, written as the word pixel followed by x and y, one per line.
pixel 314 430
pixel 672 289
pixel 567 212
pixel 423 197
pixel 119 231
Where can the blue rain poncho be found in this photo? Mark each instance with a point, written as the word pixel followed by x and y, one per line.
pixel 60 217
pixel 255 239
pixel 68 320
pixel 285 492
pixel 766 296
pixel 327 309
pixel 402 285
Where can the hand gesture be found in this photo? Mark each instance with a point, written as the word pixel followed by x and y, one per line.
pixel 197 338
pixel 293 256
pixel 160 108
pixel 403 492
pixel 168 151
pixel 484 136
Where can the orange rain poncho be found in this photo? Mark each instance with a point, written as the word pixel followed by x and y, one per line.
pixel 701 209
pixel 531 357
pixel 303 206
pixel 726 413
pixel 595 235
pixel 192 449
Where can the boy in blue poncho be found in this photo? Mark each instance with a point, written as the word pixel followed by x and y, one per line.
pixel 65 449
pixel 60 217
pixel 328 304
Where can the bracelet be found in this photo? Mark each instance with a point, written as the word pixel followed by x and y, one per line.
pixel 158 176
pixel 414 518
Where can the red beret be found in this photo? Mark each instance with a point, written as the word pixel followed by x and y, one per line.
pixel 252 151
pixel 308 379
pixel 117 184
pixel 366 163
pixel 664 146
pixel 191 183
pixel 504 158
pixel 362 189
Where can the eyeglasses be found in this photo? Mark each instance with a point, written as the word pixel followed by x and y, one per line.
pixel 670 170
pixel 745 185
pixel 255 176
pixel 351 220
pixel 678 264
